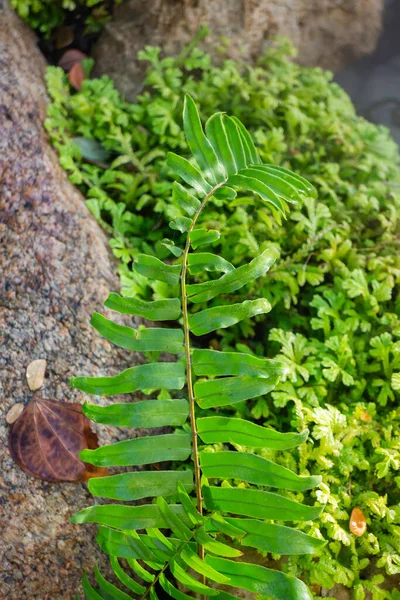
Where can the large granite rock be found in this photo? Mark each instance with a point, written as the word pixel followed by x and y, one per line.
pixel 327 33
pixel 55 270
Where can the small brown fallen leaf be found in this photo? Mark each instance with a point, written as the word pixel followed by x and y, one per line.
pixel 71 58
pixel 358 524
pixel 64 36
pixel 14 413
pixel 46 439
pixel 35 373
pixel 76 76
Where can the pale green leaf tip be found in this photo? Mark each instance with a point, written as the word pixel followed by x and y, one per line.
pixel 304 434
pixel 83 454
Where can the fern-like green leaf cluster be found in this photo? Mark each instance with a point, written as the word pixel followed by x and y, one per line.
pixel 207 522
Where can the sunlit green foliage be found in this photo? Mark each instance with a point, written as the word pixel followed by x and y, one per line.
pixel 46 15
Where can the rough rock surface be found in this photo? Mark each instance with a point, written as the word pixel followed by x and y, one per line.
pixel 55 270
pixel 327 33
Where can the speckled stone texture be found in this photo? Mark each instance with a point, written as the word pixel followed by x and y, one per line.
pixel 55 270
pixel 327 33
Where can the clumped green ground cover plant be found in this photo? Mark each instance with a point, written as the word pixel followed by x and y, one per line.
pixel 334 287
pixel 46 15
pixel 203 535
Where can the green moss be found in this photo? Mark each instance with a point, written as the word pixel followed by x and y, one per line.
pixel 335 289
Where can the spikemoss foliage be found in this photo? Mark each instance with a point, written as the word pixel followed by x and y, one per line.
pixel 334 288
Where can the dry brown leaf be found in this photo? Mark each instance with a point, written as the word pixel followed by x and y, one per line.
pixel 70 58
pixel 35 373
pixel 76 76
pixel 358 524
pixel 46 439
pixel 63 36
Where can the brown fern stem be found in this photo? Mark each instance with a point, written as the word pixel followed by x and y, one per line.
pixel 189 374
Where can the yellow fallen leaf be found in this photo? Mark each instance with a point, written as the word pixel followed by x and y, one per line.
pixel 35 373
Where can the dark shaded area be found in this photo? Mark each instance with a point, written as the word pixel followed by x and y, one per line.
pixel 373 82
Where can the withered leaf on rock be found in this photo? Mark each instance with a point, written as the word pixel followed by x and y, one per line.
pixel 76 76
pixel 46 439
pixel 71 58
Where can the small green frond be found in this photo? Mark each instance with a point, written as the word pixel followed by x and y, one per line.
pixel 258 504
pixel 259 580
pixel 225 193
pixel 199 145
pixel 190 174
pixel 157 310
pixel 127 518
pixel 230 390
pixel 172 591
pixel 201 237
pixel 153 595
pixel 192 513
pixel 153 268
pixel 173 522
pixel 214 430
pixel 181 197
pixel 206 261
pixel 147 414
pixel 218 136
pixel 277 539
pixel 168 376
pixel 190 582
pixel 115 543
pixel 214 546
pixel 230 282
pixel 140 484
pixel 252 157
pixel 141 571
pixel 90 592
pixel 175 250
pixel 278 184
pixel 181 224
pixel 253 469
pixel 124 578
pixel 293 178
pixel 161 541
pixel 250 180
pixel 194 562
pixel 212 363
pixel 140 451
pixel 109 588
pixel 220 317
pixel 235 142
pixel 139 340
pixel 142 550
pixel 218 523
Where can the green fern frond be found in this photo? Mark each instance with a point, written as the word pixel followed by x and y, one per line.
pixel 208 523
